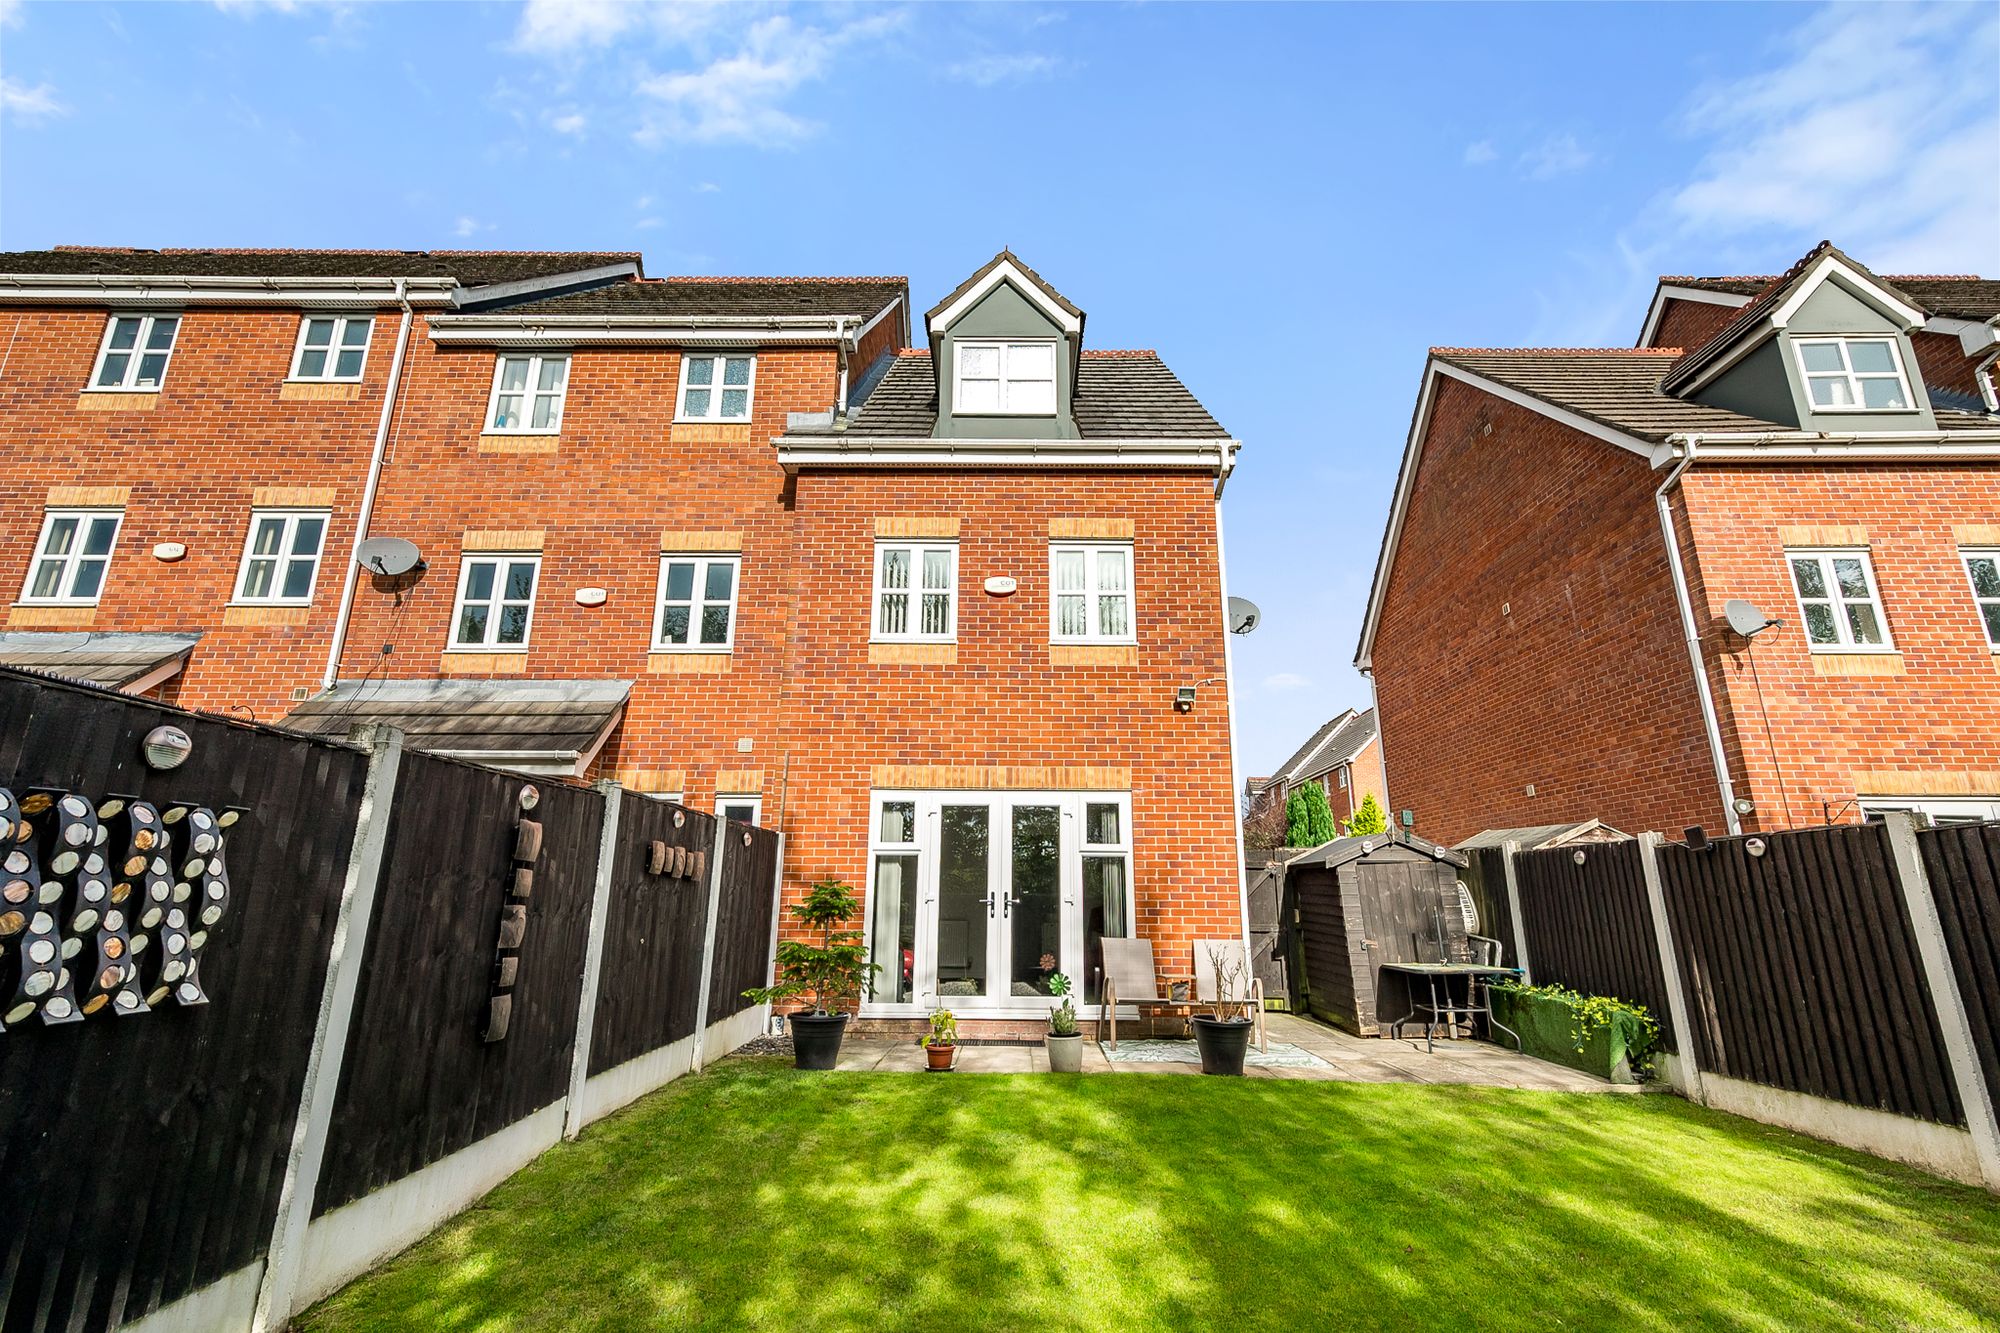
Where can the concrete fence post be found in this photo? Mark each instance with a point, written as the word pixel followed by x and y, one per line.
pixel 593 956
pixel 1508 851
pixel 1942 979
pixel 1687 1065
pixel 345 956
pixel 777 908
pixel 715 860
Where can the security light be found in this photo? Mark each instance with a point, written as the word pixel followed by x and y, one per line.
pixel 1184 699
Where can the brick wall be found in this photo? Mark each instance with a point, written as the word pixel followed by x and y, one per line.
pixel 1690 324
pixel 1942 361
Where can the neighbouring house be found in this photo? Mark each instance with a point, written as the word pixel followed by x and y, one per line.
pixel 1549 630
pixel 728 541
pixel 1344 757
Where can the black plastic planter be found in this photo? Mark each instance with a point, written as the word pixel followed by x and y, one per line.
pixel 816 1040
pixel 1223 1042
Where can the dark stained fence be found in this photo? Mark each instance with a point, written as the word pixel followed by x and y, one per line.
pixel 743 919
pixel 420 1081
pixel 1485 877
pixel 1963 864
pixel 141 1157
pixel 1590 927
pixel 649 982
pixel 1802 972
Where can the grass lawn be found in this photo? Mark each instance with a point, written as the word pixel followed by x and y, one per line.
pixel 755 1196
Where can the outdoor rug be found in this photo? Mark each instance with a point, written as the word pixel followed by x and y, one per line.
pixel 1159 1051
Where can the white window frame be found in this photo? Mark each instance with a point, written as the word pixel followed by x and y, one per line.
pixel 1936 810
pixel 1004 347
pixel 1826 555
pixel 913 621
pixel 1852 376
pixel 494 603
pixel 66 583
pixel 127 384
pixel 715 387
pixel 754 800
pixel 290 518
pixel 529 393
pixel 1092 594
pixel 1980 601
pixel 341 324
pixel 697 602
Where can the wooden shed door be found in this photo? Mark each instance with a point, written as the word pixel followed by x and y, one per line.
pixel 1399 903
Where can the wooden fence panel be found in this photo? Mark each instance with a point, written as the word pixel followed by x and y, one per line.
pixel 1590 926
pixel 1963 863
pixel 650 981
pixel 743 920
pixel 141 1156
pixel 420 1081
pixel 1802 972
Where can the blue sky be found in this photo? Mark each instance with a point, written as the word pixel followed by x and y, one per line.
pixel 1290 202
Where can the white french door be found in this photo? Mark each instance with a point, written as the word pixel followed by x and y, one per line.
pixel 976 899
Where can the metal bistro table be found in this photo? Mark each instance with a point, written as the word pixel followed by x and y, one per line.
pixel 1443 1010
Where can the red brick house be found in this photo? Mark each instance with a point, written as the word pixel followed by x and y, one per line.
pixel 1548 628
pixel 731 541
pixel 1344 756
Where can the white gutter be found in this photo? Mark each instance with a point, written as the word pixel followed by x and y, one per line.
pixel 353 579
pixel 101 289
pixel 1709 720
pixel 1930 445
pixel 574 330
pixel 1209 452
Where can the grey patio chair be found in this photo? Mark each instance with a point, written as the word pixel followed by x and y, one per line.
pixel 1129 978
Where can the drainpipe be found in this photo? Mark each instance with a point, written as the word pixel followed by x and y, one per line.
pixel 1982 375
pixel 348 585
pixel 840 350
pixel 1235 766
pixel 1710 722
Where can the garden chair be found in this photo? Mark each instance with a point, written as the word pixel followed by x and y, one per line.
pixel 1129 978
pixel 1207 986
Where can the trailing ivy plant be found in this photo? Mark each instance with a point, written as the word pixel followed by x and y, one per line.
pixel 1591 1014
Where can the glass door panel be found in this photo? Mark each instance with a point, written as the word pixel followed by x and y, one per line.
pixel 964 901
pixel 1034 925
pixel 893 947
pixel 1104 900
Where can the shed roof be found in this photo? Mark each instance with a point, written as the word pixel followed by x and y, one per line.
pixel 540 721
pixel 1342 850
pixel 113 661
pixel 1536 836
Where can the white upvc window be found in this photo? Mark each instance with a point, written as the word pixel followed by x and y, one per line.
pixel 528 392
pixel 1839 603
pixel 716 387
pixel 697 603
pixel 1983 569
pixel 496 601
pixel 742 809
pixel 281 556
pixel 135 352
pixel 72 556
pixel 1004 378
pixel 1854 374
pixel 916 591
pixel 1091 593
pixel 332 348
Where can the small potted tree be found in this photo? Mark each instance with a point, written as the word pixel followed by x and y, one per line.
pixel 941 1044
pixel 829 974
pixel 1223 1034
pixel 1065 1043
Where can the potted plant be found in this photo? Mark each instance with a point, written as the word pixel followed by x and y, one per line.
pixel 1223 1034
pixel 829 974
pixel 941 1045
pixel 1065 1043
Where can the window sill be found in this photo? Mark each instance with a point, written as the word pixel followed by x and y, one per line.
pixel 118 400
pixel 680 662
pixel 913 654
pixel 1858 664
pixel 508 442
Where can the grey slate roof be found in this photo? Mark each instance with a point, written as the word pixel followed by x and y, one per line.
pixel 1004 257
pixel 1337 741
pixel 472 268
pixel 1536 836
pixel 110 660
pixel 1616 387
pixel 1119 396
pixel 557 716
pixel 859 297
pixel 1342 850
pixel 1955 296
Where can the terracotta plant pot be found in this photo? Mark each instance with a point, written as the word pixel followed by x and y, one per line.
pixel 1065 1053
pixel 816 1039
pixel 1223 1042
pixel 940 1057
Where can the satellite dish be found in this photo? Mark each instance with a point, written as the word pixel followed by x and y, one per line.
pixel 388 556
pixel 1745 618
pixel 1243 615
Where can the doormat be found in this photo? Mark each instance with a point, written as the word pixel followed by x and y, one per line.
pixel 1159 1051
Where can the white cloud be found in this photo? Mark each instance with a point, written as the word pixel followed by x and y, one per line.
pixel 570 122
pixel 1286 680
pixel 646 224
pixel 10 13
pixel 467 225
pixel 985 71
pixel 553 27
pixel 643 202
pixel 739 98
pixel 708 187
pixel 30 104
pixel 1557 155
pixel 1479 154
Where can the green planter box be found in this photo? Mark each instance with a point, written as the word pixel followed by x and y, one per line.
pixel 1548 1025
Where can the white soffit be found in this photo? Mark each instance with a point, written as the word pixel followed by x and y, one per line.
pixel 1006 270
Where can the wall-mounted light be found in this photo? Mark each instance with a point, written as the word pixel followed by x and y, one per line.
pixel 1745 806
pixel 167 747
pixel 1578 856
pixel 1184 699
pixel 1756 846
pixel 531 796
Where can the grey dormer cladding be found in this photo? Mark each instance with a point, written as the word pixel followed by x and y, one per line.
pixel 1002 314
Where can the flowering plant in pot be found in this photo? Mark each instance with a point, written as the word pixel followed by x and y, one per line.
pixel 829 975
pixel 941 1044
pixel 1223 1034
pixel 1064 1042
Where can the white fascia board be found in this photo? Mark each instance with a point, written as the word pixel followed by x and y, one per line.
pixel 1946 446
pixel 503 291
pixel 876 318
pixel 1827 267
pixel 1412 455
pixel 151 290
pixel 543 763
pixel 1668 292
pixel 601 330
pixel 1972 335
pixel 1209 454
pixel 1029 288
pixel 156 677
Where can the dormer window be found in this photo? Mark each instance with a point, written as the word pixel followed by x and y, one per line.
pixel 1005 379
pixel 1854 374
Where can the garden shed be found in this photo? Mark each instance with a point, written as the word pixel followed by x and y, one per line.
pixel 1360 902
